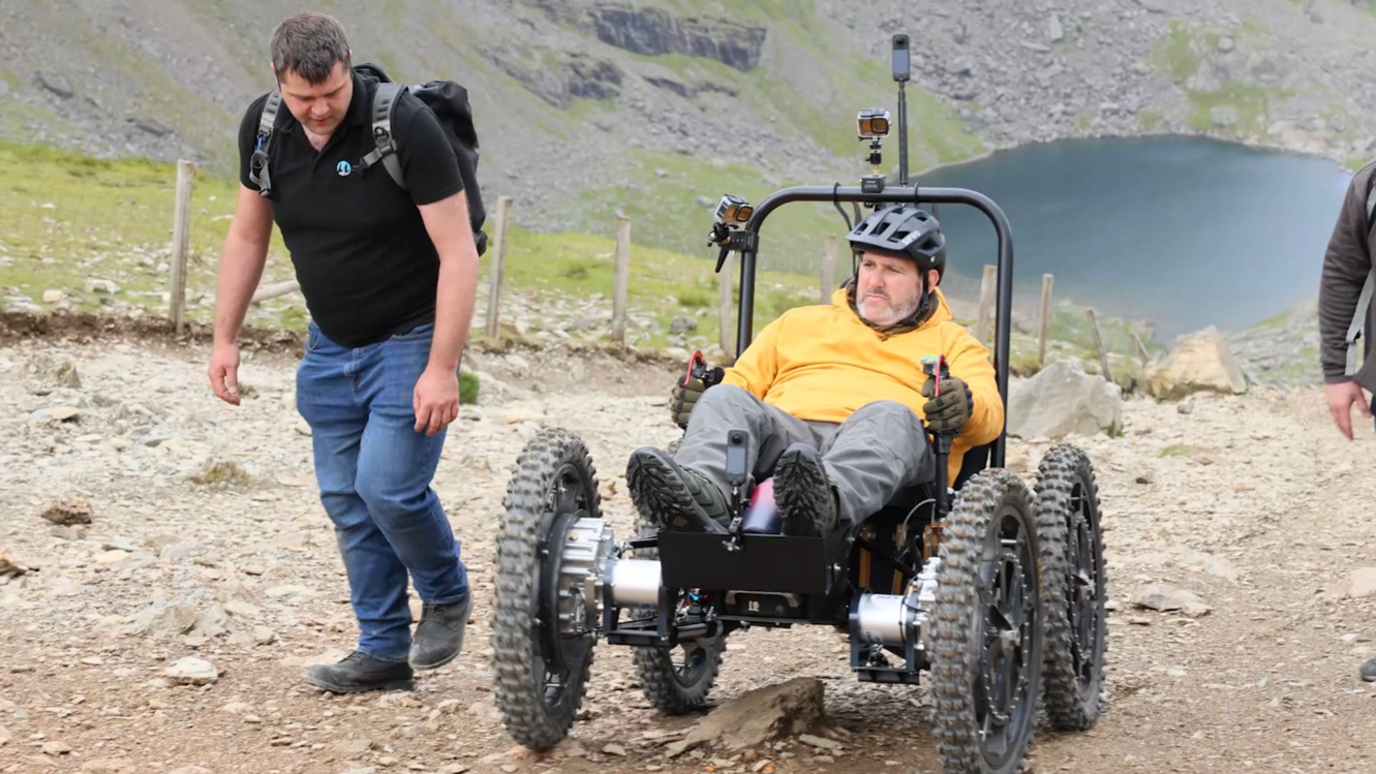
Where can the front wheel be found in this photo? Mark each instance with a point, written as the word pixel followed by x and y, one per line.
pixel 540 656
pixel 1073 560
pixel 987 634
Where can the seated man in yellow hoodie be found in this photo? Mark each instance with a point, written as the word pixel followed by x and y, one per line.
pixel 833 397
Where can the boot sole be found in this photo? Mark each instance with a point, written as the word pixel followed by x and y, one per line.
pixel 801 489
pixel 663 498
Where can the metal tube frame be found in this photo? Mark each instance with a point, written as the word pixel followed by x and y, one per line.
pixel 894 195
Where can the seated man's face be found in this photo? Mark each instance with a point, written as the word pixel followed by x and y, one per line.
pixel 888 288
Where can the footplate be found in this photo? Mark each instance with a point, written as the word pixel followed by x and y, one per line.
pixel 764 563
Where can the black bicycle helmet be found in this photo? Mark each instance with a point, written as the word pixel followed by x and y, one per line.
pixel 904 229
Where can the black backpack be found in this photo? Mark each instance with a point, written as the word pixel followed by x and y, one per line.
pixel 446 99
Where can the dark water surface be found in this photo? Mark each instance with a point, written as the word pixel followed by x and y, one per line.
pixel 1185 232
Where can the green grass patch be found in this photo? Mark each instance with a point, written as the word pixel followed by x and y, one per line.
pixel 66 217
pixel 663 285
pixel 1175 54
pixel 468 387
pixel 1251 106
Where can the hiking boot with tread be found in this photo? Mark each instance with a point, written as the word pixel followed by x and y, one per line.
pixel 673 497
pixel 803 493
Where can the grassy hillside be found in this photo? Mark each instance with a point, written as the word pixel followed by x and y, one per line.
pixel 74 218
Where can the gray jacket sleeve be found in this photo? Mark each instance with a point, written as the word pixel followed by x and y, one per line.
pixel 1346 264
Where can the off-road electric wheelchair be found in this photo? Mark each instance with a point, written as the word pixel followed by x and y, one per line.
pixel 993 587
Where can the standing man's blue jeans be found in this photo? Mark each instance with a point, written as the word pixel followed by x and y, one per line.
pixel 374 471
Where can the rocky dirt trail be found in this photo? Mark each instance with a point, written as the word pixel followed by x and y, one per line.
pixel 168 634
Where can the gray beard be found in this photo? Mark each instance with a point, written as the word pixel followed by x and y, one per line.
pixel 903 313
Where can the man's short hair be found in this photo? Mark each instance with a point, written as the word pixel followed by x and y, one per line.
pixel 309 44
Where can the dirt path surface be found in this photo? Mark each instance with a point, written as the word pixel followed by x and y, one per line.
pixel 1235 501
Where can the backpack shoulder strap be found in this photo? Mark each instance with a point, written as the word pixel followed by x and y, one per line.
pixel 258 165
pixel 384 103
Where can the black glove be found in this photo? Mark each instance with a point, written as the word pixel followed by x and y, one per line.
pixel 684 398
pixel 949 411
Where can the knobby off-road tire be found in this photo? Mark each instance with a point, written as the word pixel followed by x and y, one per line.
pixel 1074 574
pixel 985 588
pixel 670 689
pixel 553 485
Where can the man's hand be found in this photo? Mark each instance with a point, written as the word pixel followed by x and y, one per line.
pixel 436 400
pixel 1341 397
pixel 949 411
pixel 684 399
pixel 224 372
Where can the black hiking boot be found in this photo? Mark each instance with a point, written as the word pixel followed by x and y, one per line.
pixel 672 497
pixel 439 637
pixel 806 502
pixel 360 672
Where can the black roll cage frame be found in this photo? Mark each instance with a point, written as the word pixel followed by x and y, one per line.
pixel 746 242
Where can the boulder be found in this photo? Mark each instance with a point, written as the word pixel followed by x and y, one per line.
pixel 1062 400
pixel 759 717
pixel 1198 362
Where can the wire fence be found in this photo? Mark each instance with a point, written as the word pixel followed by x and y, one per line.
pixel 92 235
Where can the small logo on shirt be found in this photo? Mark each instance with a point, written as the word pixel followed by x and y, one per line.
pixel 344 168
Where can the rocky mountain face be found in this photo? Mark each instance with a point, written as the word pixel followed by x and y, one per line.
pixel 656 107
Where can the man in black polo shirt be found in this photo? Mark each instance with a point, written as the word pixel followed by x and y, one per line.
pixel 389 277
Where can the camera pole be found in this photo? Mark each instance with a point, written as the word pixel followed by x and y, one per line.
pixel 902 134
pixel 902 72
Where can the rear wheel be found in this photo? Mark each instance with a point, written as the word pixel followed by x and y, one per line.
pixel 1073 563
pixel 540 656
pixel 987 634
pixel 676 680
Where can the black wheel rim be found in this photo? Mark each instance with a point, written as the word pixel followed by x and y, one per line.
pixel 1085 590
pixel 1007 622
pixel 566 501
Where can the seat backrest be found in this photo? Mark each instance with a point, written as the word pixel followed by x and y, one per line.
pixel 975 460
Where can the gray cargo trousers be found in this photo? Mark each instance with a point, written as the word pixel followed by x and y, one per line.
pixel 877 452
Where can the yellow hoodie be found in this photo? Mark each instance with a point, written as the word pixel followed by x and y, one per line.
pixel 823 362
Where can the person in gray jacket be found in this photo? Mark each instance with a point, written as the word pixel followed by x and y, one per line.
pixel 1345 314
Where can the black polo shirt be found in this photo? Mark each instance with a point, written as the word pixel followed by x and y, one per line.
pixel 365 262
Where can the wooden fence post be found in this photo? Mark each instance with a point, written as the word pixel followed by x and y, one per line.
pixel 498 270
pixel 988 284
pixel 828 267
pixel 1098 343
pixel 724 332
pixel 1141 350
pixel 1046 319
pixel 181 242
pixel 621 281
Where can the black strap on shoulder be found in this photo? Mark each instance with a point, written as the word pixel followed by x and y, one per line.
pixel 258 164
pixel 384 103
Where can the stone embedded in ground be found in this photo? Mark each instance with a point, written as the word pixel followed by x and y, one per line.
pixel 11 566
pixel 161 622
pixel 1061 400
pixel 760 716
pixel 193 671
pixel 1165 598
pixel 68 511
pixel 1363 582
pixel 1198 362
